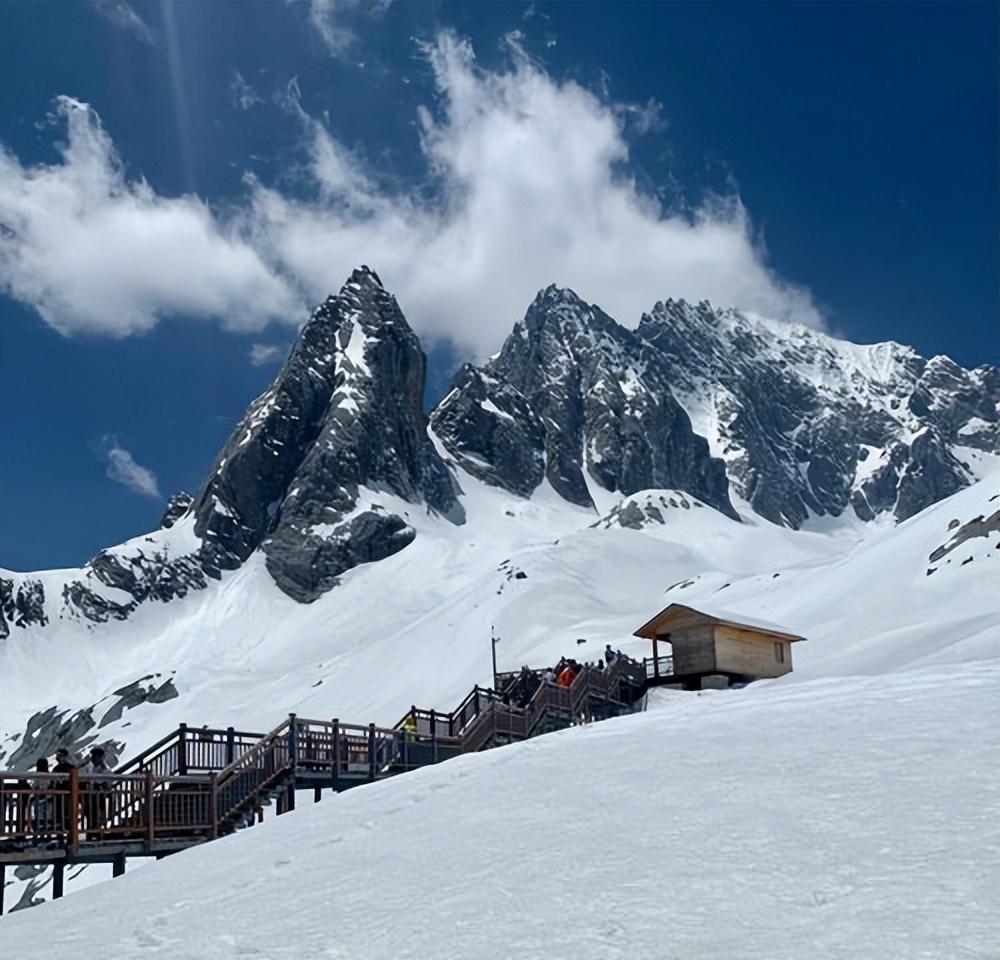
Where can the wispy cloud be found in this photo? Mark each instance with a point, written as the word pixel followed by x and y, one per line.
pixel 333 20
pixel 264 353
pixel 122 468
pixel 526 184
pixel 241 93
pixel 122 14
pixel 95 252
pixel 530 188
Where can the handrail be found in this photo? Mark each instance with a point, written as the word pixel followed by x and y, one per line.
pixel 157 795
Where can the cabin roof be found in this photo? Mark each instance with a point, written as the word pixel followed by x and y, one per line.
pixel 660 623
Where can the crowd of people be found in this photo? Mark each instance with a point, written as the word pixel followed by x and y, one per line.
pixel 523 688
pixel 41 804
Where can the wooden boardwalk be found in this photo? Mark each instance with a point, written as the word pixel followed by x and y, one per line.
pixel 197 784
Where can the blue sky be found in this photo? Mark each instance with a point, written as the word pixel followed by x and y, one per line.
pixel 179 181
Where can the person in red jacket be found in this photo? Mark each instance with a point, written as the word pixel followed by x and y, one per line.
pixel 566 676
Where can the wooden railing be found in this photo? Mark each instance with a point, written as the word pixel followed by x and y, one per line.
pixel 656 667
pixel 192 750
pixel 196 783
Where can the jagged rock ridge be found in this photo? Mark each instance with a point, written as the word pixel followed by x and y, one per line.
pixel 575 398
pixel 809 424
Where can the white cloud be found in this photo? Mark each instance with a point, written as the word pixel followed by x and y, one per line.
pixel 121 14
pixel 263 353
pixel 526 186
pixel 332 20
pixel 242 95
pixel 94 252
pixel 123 469
pixel 531 191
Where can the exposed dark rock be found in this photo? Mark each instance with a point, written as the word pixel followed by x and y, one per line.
pixel 575 395
pixel 177 506
pixel 912 477
pixel 22 604
pixel 977 527
pixel 796 412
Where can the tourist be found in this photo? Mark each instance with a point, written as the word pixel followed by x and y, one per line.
pixel 95 790
pixel 41 792
pixel 61 799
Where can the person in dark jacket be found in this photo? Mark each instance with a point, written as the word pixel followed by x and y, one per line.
pixel 61 811
pixel 41 795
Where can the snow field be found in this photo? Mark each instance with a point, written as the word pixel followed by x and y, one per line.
pixel 840 819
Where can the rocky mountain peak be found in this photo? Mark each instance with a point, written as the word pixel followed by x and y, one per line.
pixel 574 398
pixel 809 424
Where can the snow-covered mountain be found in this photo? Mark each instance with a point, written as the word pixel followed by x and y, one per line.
pixel 724 406
pixel 812 425
pixel 349 555
pixel 576 423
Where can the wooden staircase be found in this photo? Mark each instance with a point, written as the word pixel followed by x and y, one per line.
pixel 197 784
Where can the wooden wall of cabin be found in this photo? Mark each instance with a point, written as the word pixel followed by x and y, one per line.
pixel 749 653
pixel 693 649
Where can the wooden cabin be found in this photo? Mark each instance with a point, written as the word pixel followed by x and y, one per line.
pixel 712 647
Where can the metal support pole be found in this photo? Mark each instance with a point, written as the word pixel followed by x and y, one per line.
pixel 493 649
pixel 3 881
pixel 58 879
pixel 230 745
pixel 118 865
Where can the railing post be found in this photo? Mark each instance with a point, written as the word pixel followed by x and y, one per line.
pixel 293 743
pixel 73 841
pixel 182 765
pixel 150 825
pixel 213 806
pixel 371 751
pixel 434 739
pixel 336 754
pixel 230 745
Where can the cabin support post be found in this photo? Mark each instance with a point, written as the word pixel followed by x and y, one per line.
pixel 656 658
pixel 182 765
pixel 317 794
pixel 118 865
pixel 58 879
pixel 230 745
pixel 3 880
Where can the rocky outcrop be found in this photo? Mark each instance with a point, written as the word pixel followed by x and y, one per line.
pixel 177 506
pixel 574 398
pixel 810 425
pixel 342 422
pixel 21 604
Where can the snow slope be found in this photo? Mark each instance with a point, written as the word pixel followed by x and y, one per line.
pixel 837 818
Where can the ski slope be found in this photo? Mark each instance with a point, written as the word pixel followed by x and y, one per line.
pixel 836 818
